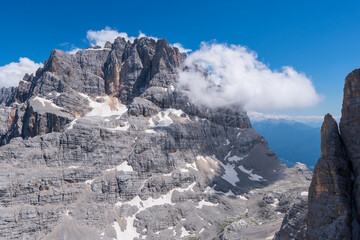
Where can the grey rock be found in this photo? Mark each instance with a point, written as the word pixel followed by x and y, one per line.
pixel 101 144
pixel 294 223
pixel 329 212
pixel 6 95
pixel 349 126
pixel 141 106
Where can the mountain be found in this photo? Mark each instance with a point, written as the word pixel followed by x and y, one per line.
pixel 291 141
pixel 102 144
pixel 333 207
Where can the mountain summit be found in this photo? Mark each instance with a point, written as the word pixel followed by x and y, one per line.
pixel 102 144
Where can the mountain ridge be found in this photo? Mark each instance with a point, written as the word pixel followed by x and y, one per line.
pixel 103 143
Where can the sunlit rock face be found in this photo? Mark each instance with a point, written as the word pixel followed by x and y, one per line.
pixel 329 212
pixel 101 144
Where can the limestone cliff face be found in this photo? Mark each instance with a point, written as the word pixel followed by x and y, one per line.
pixel 329 204
pixel 102 145
pixel 350 128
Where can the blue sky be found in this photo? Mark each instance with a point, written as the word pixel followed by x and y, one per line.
pixel 318 38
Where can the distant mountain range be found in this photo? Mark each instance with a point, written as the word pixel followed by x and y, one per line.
pixel 291 141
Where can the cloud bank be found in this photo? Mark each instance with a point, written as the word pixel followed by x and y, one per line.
pixel 12 73
pixel 219 75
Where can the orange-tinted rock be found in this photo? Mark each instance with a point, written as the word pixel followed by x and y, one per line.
pixel 329 206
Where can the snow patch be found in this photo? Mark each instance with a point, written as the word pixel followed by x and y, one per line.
pixel 73 167
pixel 47 104
pixel 129 232
pixel 230 194
pixel 242 197
pixel 125 167
pixel 184 232
pixel 109 107
pixel 151 123
pixel 304 193
pixel 235 158
pixel 164 118
pixel 150 131
pixel 118 128
pixel 89 182
pixel 252 176
pixel 151 202
pixel 275 203
pixel 230 174
pixel 192 165
pixel 71 125
pixel 211 190
pixel 203 203
pixel 227 155
pixel 122 167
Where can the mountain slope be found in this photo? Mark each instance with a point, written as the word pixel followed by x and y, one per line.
pixel 102 145
pixel 291 141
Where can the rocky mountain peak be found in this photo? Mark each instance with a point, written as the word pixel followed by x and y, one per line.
pixel 329 210
pixel 101 144
pixel 331 144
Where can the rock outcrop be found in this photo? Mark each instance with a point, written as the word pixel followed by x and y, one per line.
pixel 294 225
pixel 349 127
pixel 101 145
pixel 333 203
pixel 329 211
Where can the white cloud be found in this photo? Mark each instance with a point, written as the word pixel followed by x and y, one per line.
pixel 12 73
pixel 181 48
pixel 236 77
pixel 74 50
pixel 108 34
pixel 102 36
